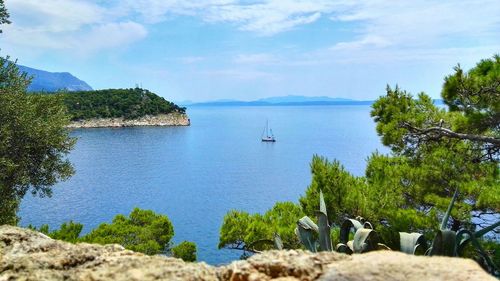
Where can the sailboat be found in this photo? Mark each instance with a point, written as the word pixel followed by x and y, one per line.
pixel 267 134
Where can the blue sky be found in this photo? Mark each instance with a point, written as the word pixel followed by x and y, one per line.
pixel 228 49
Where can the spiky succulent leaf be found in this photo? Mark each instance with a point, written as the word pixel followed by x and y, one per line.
pixel 345 229
pixel 368 225
pixel 444 222
pixel 365 240
pixel 480 233
pixel 305 229
pixel 278 243
pixel 444 244
pixel 343 248
pixel 465 236
pixel 412 243
pixel 325 242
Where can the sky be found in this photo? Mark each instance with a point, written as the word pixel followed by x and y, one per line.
pixel 202 50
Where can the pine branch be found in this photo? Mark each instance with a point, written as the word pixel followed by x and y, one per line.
pixel 439 132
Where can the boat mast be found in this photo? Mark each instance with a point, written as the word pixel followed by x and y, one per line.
pixel 267 128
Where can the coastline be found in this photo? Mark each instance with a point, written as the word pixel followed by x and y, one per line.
pixel 171 119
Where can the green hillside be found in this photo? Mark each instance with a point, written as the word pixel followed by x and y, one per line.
pixel 112 103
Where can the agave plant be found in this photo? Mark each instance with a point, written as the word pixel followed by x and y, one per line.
pixel 446 242
pixel 450 243
pixel 317 237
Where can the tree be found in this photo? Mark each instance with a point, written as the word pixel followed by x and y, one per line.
pixel 434 151
pixel 4 15
pixel 448 149
pixel 117 103
pixel 142 231
pixel 33 141
pixel 69 232
pixel 342 191
pixel 185 250
pixel 255 233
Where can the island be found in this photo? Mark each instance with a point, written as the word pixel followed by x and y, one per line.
pixel 121 108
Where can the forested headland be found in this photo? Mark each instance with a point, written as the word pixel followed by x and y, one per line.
pixel 116 103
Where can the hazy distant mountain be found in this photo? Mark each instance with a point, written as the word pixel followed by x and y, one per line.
pixel 301 99
pixel 53 81
pixel 285 101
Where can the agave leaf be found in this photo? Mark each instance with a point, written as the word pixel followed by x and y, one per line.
pixel 343 248
pixel 307 223
pixel 345 229
pixel 468 236
pixel 480 233
pixel 411 243
pixel 305 228
pixel 278 243
pixel 350 245
pixel 325 243
pixel 365 240
pixel 322 205
pixel 444 222
pixel 444 244
pixel 381 246
pixel 368 225
pixel 463 238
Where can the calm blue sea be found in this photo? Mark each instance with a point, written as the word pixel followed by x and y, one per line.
pixel 196 174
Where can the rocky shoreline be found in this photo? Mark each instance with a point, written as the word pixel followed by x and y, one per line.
pixel 171 119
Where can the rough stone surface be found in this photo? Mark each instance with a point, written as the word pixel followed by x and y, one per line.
pixel 29 255
pixel 172 119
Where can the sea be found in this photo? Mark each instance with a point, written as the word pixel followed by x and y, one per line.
pixel 196 174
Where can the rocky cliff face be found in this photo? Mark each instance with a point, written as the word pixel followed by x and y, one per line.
pixel 53 81
pixel 172 119
pixel 29 255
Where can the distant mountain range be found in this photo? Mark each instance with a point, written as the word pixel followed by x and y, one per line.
pixel 300 99
pixel 53 81
pixel 289 100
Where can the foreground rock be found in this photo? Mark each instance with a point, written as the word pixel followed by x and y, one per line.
pixel 29 255
pixel 172 119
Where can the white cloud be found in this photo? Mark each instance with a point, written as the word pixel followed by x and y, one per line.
pixel 94 38
pixel 424 23
pixel 72 25
pixel 111 35
pixel 261 58
pixel 240 74
pixel 403 27
pixel 262 17
pixel 54 15
pixel 368 41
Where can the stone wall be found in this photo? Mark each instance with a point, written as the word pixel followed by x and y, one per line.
pixel 29 255
pixel 172 119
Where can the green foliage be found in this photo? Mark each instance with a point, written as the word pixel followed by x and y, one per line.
pixel 69 232
pixel 342 191
pixel 253 233
pixel 365 239
pixel 33 141
pixel 4 15
pixel 113 103
pixel 185 250
pixel 434 152
pixel 491 247
pixel 142 231
pixel 475 94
